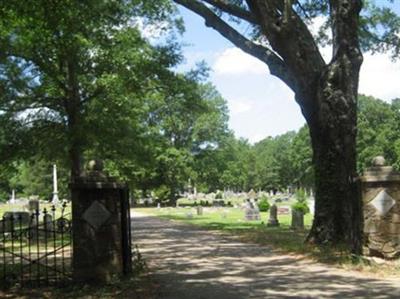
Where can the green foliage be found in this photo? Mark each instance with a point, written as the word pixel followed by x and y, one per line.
pixel 301 202
pixel 35 177
pixel 301 195
pixel 263 204
pixel 162 193
pixel 378 129
pixel 219 195
pixel 301 206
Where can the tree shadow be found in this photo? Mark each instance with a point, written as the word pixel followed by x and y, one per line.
pixel 189 262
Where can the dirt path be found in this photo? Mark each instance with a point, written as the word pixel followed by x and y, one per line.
pixel 190 263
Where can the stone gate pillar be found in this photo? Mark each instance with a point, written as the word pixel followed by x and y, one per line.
pixel 380 188
pixel 98 220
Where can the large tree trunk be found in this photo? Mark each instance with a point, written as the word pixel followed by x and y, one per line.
pixel 73 109
pixel 338 207
pixel 75 146
pixel 333 130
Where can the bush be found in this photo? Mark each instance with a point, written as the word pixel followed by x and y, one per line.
pixel 219 195
pixel 301 195
pixel 263 204
pixel 301 206
pixel 162 193
pixel 301 203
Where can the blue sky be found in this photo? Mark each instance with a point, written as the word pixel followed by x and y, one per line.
pixel 261 105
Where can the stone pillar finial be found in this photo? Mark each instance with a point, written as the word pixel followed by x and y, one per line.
pixel 96 165
pixel 378 161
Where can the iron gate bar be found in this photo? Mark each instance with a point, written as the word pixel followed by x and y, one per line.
pixel 20 249
pixel 53 212
pixel 4 255
pixel 21 261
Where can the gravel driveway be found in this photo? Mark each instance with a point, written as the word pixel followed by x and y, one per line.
pixel 191 263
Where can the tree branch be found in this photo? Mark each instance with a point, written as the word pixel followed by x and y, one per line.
pixel 233 10
pixel 290 38
pixel 276 65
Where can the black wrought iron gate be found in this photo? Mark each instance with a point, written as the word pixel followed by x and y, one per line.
pixel 35 249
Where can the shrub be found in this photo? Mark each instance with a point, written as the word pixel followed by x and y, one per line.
pixel 219 195
pixel 162 193
pixel 263 204
pixel 301 206
pixel 301 195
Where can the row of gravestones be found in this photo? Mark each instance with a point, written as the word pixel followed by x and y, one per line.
pixel 15 219
pixel 252 213
pixel 297 218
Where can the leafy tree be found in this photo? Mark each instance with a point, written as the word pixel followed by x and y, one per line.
pixel 326 92
pixel 377 131
pixel 300 156
pixel 35 177
pixel 65 65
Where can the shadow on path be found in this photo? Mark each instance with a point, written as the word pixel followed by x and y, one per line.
pixel 191 263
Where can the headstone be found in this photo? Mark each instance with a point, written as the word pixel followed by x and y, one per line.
pixel 48 222
pixel 256 211
pixel 33 205
pixel 13 220
pixel 199 210
pixel 380 189
pixel 252 194
pixel 297 219
pixel 12 199
pixel 248 211
pixel 55 200
pixel 273 216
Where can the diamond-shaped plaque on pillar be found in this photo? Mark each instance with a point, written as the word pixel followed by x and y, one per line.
pixel 383 202
pixel 96 215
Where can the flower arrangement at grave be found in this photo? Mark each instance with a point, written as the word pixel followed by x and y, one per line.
pixel 301 202
pixel 263 204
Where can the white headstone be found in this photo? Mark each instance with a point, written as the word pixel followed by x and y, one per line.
pixel 55 200
pixel 12 199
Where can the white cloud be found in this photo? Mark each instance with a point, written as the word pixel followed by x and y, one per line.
pixel 150 31
pixel 379 77
pixel 234 61
pixel 239 106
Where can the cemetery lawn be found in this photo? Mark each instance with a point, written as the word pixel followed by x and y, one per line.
pixel 232 220
pixel 282 239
